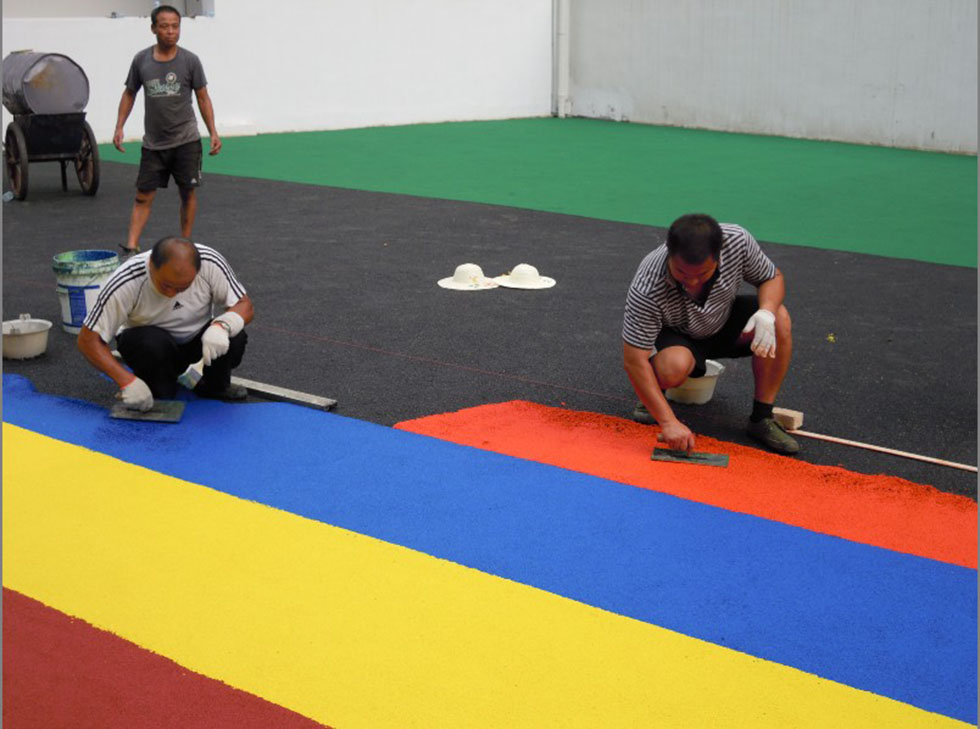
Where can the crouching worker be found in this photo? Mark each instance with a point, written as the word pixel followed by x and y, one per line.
pixel 683 307
pixel 159 306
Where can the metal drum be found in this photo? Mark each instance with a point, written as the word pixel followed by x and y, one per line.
pixel 43 83
pixel 47 94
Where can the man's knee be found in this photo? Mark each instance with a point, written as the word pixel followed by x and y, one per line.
pixel 236 348
pixel 145 197
pixel 151 344
pixel 672 366
pixel 784 324
pixel 187 194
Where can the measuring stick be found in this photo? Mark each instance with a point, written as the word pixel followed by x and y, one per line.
pixel 880 449
pixel 274 392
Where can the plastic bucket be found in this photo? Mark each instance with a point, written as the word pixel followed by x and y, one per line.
pixel 698 390
pixel 25 337
pixel 81 275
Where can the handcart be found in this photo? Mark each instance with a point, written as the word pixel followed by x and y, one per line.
pixel 47 94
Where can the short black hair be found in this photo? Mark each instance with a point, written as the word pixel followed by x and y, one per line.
pixel 695 237
pixel 163 9
pixel 163 251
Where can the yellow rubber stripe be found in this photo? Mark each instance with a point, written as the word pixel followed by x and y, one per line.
pixel 355 632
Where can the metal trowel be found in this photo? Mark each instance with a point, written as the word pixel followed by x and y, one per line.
pixel 695 458
pixel 163 411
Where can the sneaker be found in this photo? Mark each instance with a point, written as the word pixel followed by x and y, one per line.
pixel 773 436
pixel 642 415
pixel 231 393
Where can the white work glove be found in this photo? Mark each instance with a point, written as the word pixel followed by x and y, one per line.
pixel 137 396
pixel 214 343
pixel 764 340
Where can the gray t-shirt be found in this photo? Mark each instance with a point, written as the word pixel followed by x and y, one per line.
pixel 167 86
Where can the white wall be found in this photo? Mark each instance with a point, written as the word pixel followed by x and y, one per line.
pixel 891 72
pixel 292 65
pixel 81 8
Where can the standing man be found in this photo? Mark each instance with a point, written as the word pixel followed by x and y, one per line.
pixel 160 308
pixel 172 144
pixel 683 307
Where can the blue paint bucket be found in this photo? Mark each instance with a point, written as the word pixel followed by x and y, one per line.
pixel 81 275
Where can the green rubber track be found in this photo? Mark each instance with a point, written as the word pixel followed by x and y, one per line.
pixel 888 202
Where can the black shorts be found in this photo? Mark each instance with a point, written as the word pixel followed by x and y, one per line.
pixel 723 344
pixel 157 165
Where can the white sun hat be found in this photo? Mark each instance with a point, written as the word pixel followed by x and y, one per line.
pixel 468 277
pixel 525 276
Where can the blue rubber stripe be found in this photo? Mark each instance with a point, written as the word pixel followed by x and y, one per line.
pixel 898 625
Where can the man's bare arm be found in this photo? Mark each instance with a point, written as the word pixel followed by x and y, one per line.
pixel 207 114
pixel 100 356
pixel 125 108
pixel 673 432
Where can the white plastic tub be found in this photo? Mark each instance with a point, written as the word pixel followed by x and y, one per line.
pixel 698 390
pixel 25 338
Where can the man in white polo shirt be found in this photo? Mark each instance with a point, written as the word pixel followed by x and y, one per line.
pixel 683 307
pixel 160 308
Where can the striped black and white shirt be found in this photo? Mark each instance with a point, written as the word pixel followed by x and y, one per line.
pixel 129 299
pixel 655 300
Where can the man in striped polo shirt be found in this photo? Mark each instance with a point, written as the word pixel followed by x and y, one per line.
pixel 159 306
pixel 683 307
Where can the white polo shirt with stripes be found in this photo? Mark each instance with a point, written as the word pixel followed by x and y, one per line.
pixel 129 298
pixel 655 300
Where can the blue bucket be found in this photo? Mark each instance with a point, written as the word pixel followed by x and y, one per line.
pixel 81 275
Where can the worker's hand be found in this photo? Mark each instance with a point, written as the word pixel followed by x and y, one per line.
pixel 117 139
pixel 764 340
pixel 214 343
pixel 677 436
pixel 215 144
pixel 137 396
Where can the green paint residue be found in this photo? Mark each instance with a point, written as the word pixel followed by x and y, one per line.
pixel 876 200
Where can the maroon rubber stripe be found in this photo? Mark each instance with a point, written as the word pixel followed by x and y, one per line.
pixel 59 671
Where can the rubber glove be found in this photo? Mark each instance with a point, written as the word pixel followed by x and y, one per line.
pixel 137 396
pixel 214 343
pixel 764 340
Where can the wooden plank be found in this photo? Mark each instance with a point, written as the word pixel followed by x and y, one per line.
pixel 789 419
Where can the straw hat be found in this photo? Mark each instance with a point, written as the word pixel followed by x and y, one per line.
pixel 468 277
pixel 525 276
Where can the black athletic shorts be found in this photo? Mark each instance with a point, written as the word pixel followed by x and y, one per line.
pixel 157 165
pixel 721 345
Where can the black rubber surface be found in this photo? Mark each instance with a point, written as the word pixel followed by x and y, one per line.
pixel 347 306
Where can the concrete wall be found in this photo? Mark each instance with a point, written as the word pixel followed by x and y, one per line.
pixel 293 65
pixel 891 72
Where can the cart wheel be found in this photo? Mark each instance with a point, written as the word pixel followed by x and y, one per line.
pixel 16 159
pixel 87 162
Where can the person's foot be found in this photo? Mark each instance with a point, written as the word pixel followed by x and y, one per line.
pixel 773 436
pixel 231 393
pixel 642 415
